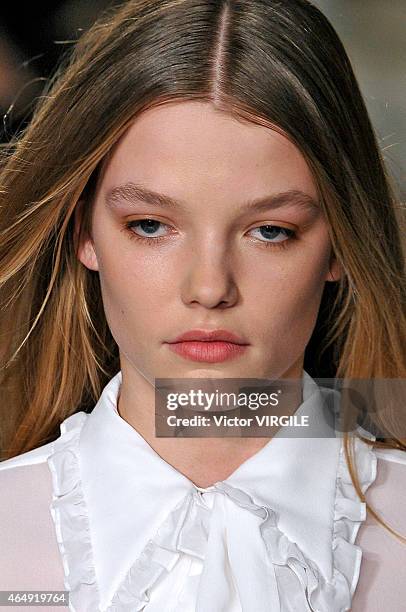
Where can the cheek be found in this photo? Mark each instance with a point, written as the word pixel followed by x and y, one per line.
pixel 289 294
pixel 133 292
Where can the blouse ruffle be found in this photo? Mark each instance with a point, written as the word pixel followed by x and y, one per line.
pixel 69 513
pixel 186 530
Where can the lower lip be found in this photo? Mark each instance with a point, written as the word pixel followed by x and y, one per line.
pixel 211 352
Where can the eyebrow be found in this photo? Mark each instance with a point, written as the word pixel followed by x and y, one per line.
pixel 135 193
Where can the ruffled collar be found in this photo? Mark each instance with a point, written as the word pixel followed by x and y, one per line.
pixel 284 522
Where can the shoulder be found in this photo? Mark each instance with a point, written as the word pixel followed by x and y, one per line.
pixel 382 581
pixel 32 457
pixel 29 557
pixel 23 479
pixel 40 455
pixel 391 455
pixel 26 488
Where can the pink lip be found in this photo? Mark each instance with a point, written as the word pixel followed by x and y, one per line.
pixel 202 335
pixel 211 352
pixel 209 346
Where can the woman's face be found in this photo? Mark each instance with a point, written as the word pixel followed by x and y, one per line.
pixel 208 258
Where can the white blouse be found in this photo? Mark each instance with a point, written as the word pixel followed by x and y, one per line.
pixel 99 513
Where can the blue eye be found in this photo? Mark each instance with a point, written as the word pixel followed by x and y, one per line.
pixel 149 226
pixel 273 236
pixel 274 233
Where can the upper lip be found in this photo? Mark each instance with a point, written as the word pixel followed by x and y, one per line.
pixel 202 335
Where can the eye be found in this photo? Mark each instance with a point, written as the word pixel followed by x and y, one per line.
pixel 148 229
pixel 274 233
pixel 152 231
pixel 148 226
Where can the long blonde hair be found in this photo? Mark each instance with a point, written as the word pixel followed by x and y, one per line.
pixel 274 63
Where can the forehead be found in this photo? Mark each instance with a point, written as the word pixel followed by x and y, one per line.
pixel 189 146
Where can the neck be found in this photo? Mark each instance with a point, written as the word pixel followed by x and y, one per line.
pixel 204 460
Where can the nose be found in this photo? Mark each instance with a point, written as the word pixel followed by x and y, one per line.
pixel 210 280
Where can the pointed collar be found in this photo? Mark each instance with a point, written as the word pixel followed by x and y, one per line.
pixel 126 492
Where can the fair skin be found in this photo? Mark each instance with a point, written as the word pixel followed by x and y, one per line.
pixel 212 267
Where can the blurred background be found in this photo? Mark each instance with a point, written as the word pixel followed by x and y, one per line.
pixel 372 31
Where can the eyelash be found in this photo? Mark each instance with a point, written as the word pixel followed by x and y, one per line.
pixel 127 228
